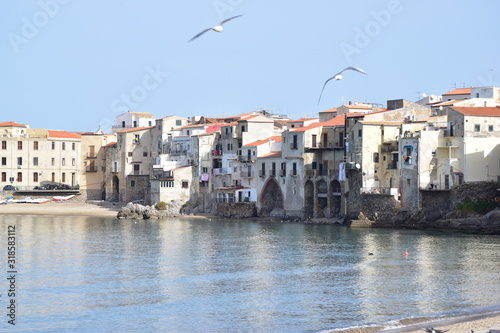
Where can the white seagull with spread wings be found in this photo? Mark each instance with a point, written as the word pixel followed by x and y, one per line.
pixel 339 76
pixel 217 28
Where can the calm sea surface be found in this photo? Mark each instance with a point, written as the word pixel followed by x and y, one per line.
pixel 82 274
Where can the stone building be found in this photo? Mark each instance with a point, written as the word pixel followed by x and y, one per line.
pixel 35 157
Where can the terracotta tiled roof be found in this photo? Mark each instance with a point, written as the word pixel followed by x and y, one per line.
pixel 11 124
pixel 301 120
pixel 142 114
pixel 329 110
pixel 63 134
pixel 358 106
pixel 478 111
pixel 336 121
pixel 276 138
pixel 305 128
pixel 135 129
pixel 110 144
pixel 272 154
pixel 459 91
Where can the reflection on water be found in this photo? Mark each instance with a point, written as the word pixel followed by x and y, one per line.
pixel 182 275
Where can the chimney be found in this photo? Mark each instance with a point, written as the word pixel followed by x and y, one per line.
pixel 350 102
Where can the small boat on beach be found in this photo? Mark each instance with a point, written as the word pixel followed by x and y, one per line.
pixel 7 200
pixel 62 198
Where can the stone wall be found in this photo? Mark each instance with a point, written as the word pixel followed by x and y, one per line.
pixel 236 210
pixel 377 207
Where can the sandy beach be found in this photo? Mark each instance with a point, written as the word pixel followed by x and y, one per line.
pixel 482 325
pixel 67 208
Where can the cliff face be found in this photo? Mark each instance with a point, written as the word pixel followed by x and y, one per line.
pixel 466 207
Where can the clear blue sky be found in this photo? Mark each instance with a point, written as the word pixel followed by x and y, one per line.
pixel 74 65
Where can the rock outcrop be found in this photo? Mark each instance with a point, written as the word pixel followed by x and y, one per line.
pixel 137 211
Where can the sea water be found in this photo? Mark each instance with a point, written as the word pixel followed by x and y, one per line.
pixel 87 274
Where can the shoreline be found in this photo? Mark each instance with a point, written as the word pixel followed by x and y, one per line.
pixel 61 208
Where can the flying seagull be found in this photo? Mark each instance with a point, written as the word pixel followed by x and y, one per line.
pixel 339 76
pixel 217 28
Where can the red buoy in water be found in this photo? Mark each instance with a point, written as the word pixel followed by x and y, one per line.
pixel 406 253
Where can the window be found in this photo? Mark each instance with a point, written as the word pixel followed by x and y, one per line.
pixel 229 146
pixel 204 170
pixel 53 161
pixel 19 145
pixel 53 178
pixel 137 138
pixel 19 176
pixel 19 161
pixel 375 157
pixel 243 128
pixel 4 176
pixel 130 154
pixel 35 177
pixel 63 177
pixel 185 184
pixel 73 146
pixel 63 162
pixel 149 123
pixel 35 145
pixel 314 165
pixel 477 128
pixel 490 128
pixel 407 150
pixel 134 123
pixel 4 145
pixel 167 183
pixel 132 183
pixel 178 122
pixel 360 133
pixel 35 161
pixel 4 160
pixel 53 145
pixel 145 154
pixel 73 161
pixel 63 145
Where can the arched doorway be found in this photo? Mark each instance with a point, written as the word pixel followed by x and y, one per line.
pixel 308 199
pixel 115 195
pixel 271 198
pixel 336 199
pixel 322 198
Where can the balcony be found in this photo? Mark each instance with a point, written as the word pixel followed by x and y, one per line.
pixel 262 173
pixel 92 168
pixel 282 173
pixel 246 174
pixel 178 151
pixel 294 146
pixel 272 173
pixel 220 171
pixel 246 159
pixel 90 155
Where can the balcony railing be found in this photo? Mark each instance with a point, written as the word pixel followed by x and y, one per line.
pixel 294 145
pixel 91 169
pixel 246 174
pixel 262 173
pixel 91 155
pixel 272 172
pixel 242 158
pixel 217 153
pixel 282 173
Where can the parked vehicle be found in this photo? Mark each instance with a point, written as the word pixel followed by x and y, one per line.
pixel 10 188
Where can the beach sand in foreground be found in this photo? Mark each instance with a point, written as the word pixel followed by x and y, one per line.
pixel 482 325
pixel 65 208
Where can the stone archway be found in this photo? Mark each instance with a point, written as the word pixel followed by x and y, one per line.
pixel 336 198
pixel 115 194
pixel 271 198
pixel 322 187
pixel 308 199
